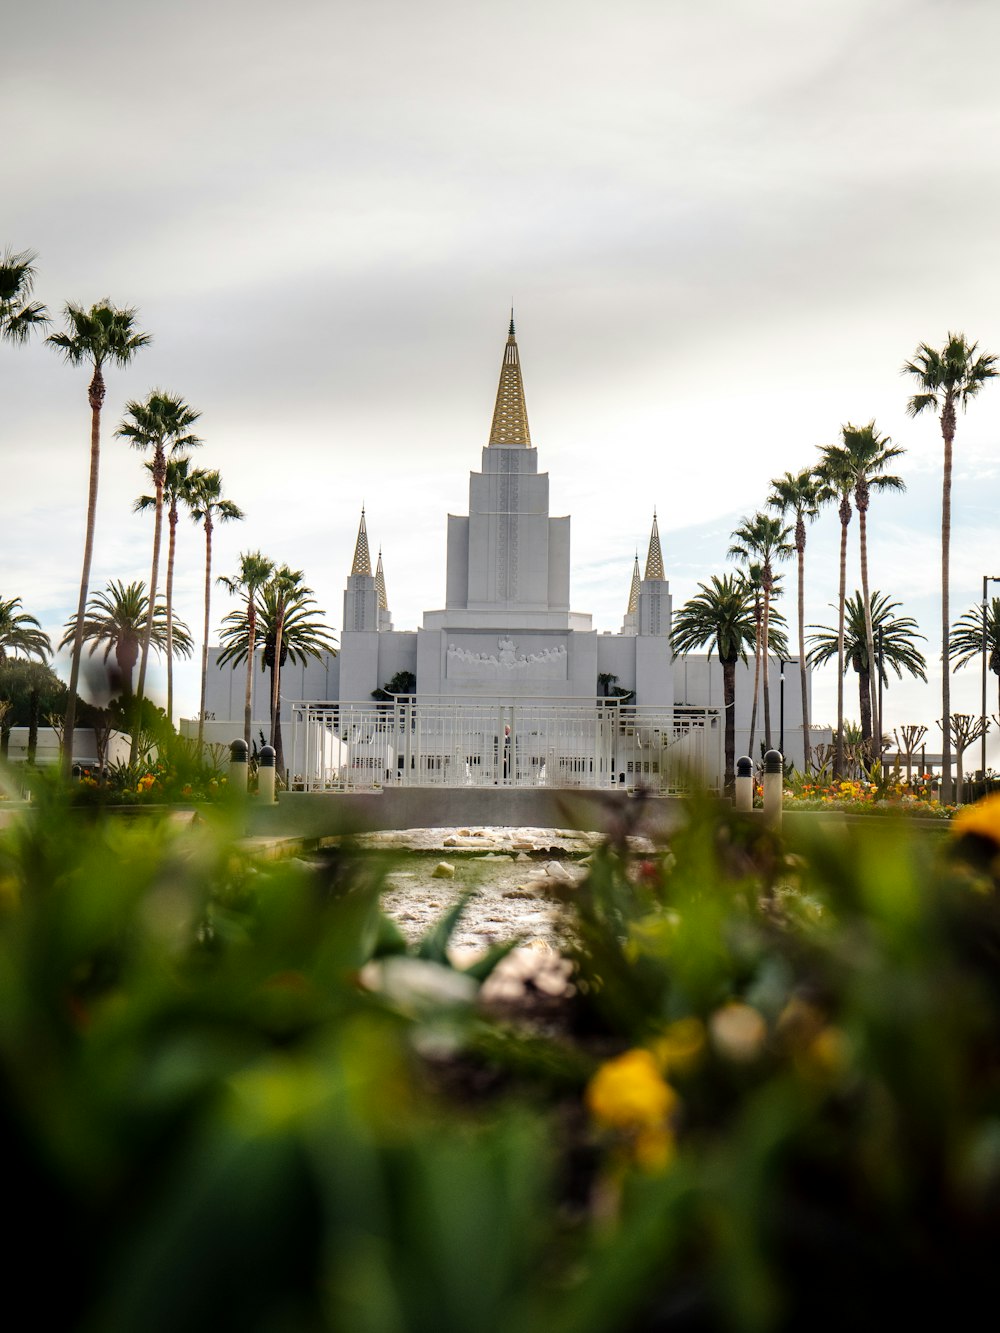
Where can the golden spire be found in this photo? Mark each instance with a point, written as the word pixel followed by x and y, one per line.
pixel 362 560
pixel 383 601
pixel 654 560
pixel 510 416
pixel 633 596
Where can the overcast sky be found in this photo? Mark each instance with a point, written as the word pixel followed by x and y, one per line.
pixel 723 227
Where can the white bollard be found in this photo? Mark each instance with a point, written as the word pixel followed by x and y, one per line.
pixel 238 767
pixel 265 774
pixel 744 784
pixel 774 779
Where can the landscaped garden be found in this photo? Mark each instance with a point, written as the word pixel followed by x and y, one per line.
pixel 764 1095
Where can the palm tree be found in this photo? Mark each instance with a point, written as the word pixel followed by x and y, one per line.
pixel 117 620
pixel 799 493
pixel 18 315
pixel 162 423
pixel 764 538
pixel 94 337
pixel 837 483
pixel 178 489
pixel 280 602
pixel 896 635
pixel 946 379
pixel 207 506
pixel 21 634
pixel 26 688
pixel 721 617
pixel 255 570
pixel 866 454
pixel 966 641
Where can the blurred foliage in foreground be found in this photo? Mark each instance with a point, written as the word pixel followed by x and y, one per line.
pixel 232 1098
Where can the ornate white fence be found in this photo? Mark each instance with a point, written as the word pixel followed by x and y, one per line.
pixel 531 743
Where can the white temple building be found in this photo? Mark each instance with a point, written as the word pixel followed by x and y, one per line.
pixel 507 657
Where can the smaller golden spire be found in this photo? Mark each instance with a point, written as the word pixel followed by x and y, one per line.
pixel 654 560
pixel 633 596
pixel 383 601
pixel 362 558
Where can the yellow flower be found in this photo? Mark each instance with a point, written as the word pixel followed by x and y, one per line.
pixel 631 1093
pixel 982 819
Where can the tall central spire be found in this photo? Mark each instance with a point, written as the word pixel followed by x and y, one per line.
pixel 510 416
pixel 654 559
pixel 362 559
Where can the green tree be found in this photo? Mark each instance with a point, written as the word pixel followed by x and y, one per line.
pixel 799 493
pixel 116 620
pixel 28 690
pixel 403 682
pixel 207 506
pixel 303 635
pixel 720 617
pixel 946 380
pixel 254 571
pixel 19 316
pixel 163 424
pixel 867 455
pixel 837 483
pixel 763 538
pixel 20 634
pixel 96 337
pixel 966 641
pixel 896 639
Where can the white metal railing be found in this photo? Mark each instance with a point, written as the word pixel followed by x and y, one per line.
pixel 528 743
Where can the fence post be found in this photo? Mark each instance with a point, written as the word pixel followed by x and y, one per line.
pixel 238 766
pixel 744 784
pixel 774 774
pixel 265 774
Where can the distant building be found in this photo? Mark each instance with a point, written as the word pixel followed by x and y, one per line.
pixel 507 635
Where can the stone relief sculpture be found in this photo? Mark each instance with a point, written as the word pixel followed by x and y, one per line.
pixel 546 664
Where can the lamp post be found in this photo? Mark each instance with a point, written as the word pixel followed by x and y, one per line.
pixel 881 677
pixel 987 579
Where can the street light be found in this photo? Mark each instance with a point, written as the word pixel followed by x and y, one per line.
pixel 987 579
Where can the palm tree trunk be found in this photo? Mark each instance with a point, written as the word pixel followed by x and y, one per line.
pixel 865 703
pixel 800 546
pixel 729 705
pixel 276 691
pixel 756 684
pixel 874 733
pixel 204 646
pixel 948 432
pixel 159 469
pixel 764 656
pixel 171 549
pixel 96 394
pixel 838 755
pixel 251 638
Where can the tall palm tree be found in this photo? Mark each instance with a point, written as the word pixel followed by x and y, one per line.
pixel 896 635
pixel 947 379
pixel 21 634
pixel 162 423
pixel 303 635
pixel 178 489
pixel 207 506
pixel 254 571
pixel 966 640
pixel 19 316
pixel 799 493
pixel 721 617
pixel 96 337
pixel 764 538
pixel 867 454
pixel 837 483
pixel 117 619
